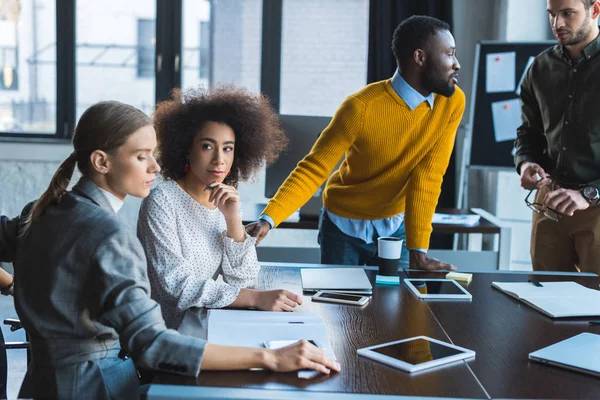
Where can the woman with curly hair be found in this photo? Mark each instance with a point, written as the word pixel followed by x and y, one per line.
pixel 190 225
pixel 82 290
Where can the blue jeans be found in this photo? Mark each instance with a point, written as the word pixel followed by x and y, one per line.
pixel 339 248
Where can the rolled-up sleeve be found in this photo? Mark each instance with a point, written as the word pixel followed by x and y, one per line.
pixel 240 265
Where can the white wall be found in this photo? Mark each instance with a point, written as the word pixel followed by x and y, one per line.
pixel 324 54
pixel 527 20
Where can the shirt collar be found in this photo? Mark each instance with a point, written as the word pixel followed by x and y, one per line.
pixel 113 200
pixel 410 96
pixel 590 51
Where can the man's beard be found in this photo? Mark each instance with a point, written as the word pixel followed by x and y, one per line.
pixel 582 33
pixel 435 82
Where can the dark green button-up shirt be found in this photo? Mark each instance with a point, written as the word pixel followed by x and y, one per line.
pixel 561 115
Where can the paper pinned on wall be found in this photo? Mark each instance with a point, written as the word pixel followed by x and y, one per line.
pixel 500 72
pixel 507 118
pixel 529 62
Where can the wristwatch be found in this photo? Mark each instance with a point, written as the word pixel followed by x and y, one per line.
pixel 591 194
pixel 9 290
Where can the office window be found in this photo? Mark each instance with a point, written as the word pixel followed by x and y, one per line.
pixel 9 66
pixel 146 47
pixel 221 43
pixel 109 37
pixel 323 54
pixel 28 67
pixel 204 49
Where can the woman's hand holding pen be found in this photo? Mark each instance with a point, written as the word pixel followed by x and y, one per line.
pixel 301 355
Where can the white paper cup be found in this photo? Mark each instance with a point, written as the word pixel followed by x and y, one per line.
pixel 389 250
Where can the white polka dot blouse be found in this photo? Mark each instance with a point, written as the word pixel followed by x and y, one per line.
pixel 189 252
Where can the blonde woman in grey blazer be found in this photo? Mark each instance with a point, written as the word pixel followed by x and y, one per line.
pixel 81 286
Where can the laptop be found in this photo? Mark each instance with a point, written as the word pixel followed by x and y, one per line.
pixel 349 280
pixel 573 353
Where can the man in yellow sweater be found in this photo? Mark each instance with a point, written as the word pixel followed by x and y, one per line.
pixel 396 137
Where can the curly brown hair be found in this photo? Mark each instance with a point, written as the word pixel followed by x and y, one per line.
pixel 258 136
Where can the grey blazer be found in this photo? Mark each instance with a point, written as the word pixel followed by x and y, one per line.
pixel 82 294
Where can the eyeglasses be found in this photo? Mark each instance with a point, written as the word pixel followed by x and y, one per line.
pixel 539 208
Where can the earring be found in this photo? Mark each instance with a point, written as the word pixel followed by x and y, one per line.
pixel 229 173
pixel 187 167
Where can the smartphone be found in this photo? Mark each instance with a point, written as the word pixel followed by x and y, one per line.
pixel 341 298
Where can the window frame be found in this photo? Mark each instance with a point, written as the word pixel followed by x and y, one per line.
pixel 65 59
pixel 167 62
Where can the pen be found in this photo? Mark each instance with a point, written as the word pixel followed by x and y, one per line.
pixel 536 283
pixel 594 323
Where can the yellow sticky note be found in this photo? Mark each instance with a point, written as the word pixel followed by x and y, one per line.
pixel 460 276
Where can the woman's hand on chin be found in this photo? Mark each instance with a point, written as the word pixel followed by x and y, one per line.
pixel 227 199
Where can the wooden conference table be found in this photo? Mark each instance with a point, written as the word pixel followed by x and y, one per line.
pixel 499 329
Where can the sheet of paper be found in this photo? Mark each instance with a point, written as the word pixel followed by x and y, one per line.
pixel 255 328
pixel 507 118
pixel 500 72
pixel 529 62
pixel 260 317
pixel 456 219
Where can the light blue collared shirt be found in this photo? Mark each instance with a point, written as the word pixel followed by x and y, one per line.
pixel 365 229
pixel 411 96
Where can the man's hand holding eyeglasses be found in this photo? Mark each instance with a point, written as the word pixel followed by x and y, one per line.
pixel 529 175
pixel 565 201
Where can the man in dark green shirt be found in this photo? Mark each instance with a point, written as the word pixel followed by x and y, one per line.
pixel 559 141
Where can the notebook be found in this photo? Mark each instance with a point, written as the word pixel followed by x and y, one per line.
pixel 336 279
pixel 573 353
pixel 555 299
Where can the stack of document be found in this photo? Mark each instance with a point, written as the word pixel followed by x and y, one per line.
pixel 456 219
pixel 555 299
pixel 255 328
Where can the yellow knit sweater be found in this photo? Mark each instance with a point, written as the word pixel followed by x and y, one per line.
pixel 395 159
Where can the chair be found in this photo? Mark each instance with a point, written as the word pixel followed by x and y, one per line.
pixel 15 325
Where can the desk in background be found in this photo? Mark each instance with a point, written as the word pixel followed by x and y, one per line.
pixel 501 330
pixel 496 258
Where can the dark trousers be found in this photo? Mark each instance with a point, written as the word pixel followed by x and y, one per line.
pixel 339 248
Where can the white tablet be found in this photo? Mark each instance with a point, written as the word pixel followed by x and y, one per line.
pixel 437 289
pixel 416 354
